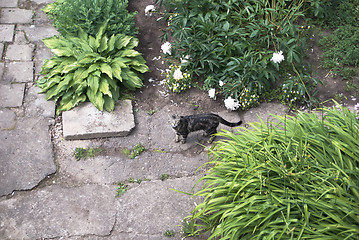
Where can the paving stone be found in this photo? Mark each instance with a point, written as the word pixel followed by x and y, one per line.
pixel 19 72
pixel 36 33
pixel 43 1
pixel 7 119
pixel 264 111
pixel 11 95
pixel 86 121
pixel 8 3
pixel 6 32
pixel 15 15
pixel 41 54
pixel 26 155
pixel 56 211
pixel 37 105
pixel 166 206
pixel 19 52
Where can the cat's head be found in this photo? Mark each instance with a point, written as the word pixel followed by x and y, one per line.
pixel 175 121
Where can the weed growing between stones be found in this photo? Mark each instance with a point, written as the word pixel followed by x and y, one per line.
pixel 84 153
pixel 169 233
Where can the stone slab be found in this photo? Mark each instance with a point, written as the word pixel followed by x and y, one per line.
pixel 8 3
pixel 7 119
pixel 2 67
pixel 139 207
pixel 11 95
pixel 20 72
pixel 37 105
pixel 19 52
pixel 56 211
pixel 36 33
pixel 26 155
pixel 15 15
pixel 41 54
pixel 6 32
pixel 86 121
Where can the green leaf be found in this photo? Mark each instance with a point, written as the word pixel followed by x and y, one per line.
pixel 111 43
pixel 93 44
pixel 105 68
pixel 62 52
pixel 96 98
pixel 56 42
pixel 105 87
pixel 109 104
pixel 141 68
pixel 129 53
pixel 80 74
pixel 93 82
pixel 122 41
pixel 103 44
pixel 116 71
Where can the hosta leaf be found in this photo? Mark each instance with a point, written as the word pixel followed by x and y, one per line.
pixel 96 98
pixel 131 80
pixel 49 83
pixel 49 64
pixel 105 68
pixel 129 53
pixel 103 44
pixel 81 88
pixel 80 74
pixel 70 67
pixel 141 68
pixel 93 44
pixel 93 82
pixel 122 62
pixel 115 93
pixel 101 32
pixel 88 58
pixel 133 43
pixel 122 41
pixel 83 35
pixel 138 61
pixel 70 102
pixel 56 42
pixel 56 90
pixel 116 71
pixel 94 67
pixel 105 87
pixel 67 52
pixel 109 104
pixel 111 43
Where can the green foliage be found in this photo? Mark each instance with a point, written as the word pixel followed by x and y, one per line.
pixel 169 233
pixel 234 41
pixel 95 68
pixel 293 178
pixel 176 80
pixel 69 16
pixel 137 150
pixel 165 176
pixel 121 189
pixel 84 153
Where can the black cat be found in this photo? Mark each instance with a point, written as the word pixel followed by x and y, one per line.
pixel 208 122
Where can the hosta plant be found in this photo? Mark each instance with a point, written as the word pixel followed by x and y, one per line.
pixel 95 68
pixel 292 178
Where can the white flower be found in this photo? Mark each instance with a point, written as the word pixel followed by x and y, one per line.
pixel 166 48
pixel 185 59
pixel 212 93
pixel 149 9
pixel 277 57
pixel 231 104
pixel 357 108
pixel 221 83
pixel 177 74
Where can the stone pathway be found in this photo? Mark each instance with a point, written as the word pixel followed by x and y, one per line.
pixel 45 193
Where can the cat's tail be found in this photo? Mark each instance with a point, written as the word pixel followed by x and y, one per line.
pixel 229 124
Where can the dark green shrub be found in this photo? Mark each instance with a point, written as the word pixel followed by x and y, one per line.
pixel 233 42
pixel 293 178
pixel 71 15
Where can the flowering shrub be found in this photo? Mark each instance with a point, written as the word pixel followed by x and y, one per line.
pixel 176 80
pixel 240 43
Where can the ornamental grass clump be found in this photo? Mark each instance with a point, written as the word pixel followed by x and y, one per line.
pixel 293 178
pixel 98 69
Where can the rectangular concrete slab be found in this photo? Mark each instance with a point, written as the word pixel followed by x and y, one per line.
pixel 19 72
pixel 86 121
pixel 19 52
pixel 11 95
pixel 6 32
pixel 8 3
pixel 15 15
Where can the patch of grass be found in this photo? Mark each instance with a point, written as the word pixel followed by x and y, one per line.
pixel 126 152
pixel 121 189
pixel 152 111
pixel 84 153
pixel 169 233
pixel 189 228
pixel 137 150
pixel 165 177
